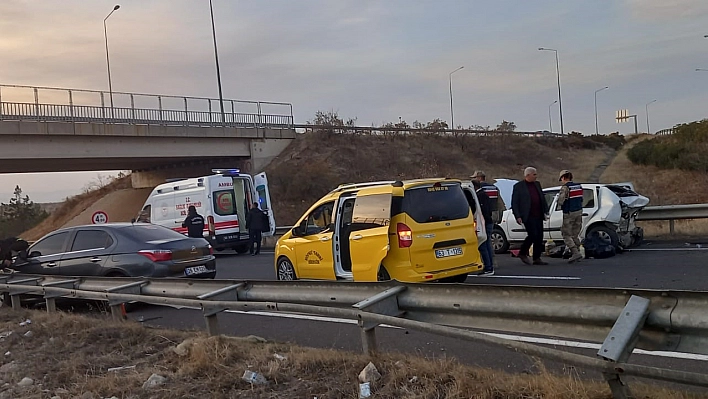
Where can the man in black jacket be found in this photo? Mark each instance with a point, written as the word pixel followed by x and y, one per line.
pixel 485 250
pixel 530 210
pixel 194 223
pixel 255 223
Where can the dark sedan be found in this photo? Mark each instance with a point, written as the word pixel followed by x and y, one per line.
pixel 118 250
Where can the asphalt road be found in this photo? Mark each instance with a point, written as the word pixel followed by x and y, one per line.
pixel 675 265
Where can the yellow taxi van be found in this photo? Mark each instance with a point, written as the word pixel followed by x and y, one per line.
pixel 410 231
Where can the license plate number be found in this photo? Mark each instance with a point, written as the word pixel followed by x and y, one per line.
pixel 444 253
pixel 195 270
pixel 230 237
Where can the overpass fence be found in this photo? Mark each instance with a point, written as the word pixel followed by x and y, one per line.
pixel 49 104
pixel 622 320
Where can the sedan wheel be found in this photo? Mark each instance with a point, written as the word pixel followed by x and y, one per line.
pixel 286 271
pixel 499 242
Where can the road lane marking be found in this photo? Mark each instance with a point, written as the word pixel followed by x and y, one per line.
pixel 533 340
pixel 528 277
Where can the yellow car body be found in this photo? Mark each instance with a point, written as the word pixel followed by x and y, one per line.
pixel 410 231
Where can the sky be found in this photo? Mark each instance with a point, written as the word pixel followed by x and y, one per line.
pixel 374 61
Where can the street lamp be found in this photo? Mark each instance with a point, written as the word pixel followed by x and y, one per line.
pixel 560 101
pixel 216 56
pixel 108 60
pixel 452 113
pixel 701 70
pixel 550 120
pixel 597 91
pixel 646 109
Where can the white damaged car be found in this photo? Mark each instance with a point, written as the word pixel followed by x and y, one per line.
pixel 609 209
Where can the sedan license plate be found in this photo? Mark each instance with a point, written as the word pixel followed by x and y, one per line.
pixel 444 253
pixel 195 270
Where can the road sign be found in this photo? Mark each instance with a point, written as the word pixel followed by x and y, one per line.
pixel 99 217
pixel 622 115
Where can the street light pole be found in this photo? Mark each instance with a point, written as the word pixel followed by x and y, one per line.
pixel 452 113
pixel 550 120
pixel 597 91
pixel 216 57
pixel 646 109
pixel 108 60
pixel 560 100
pixel 701 70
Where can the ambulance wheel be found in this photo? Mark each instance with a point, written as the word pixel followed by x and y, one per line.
pixel 286 270
pixel 241 249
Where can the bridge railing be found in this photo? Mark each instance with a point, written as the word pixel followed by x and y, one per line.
pixel 151 109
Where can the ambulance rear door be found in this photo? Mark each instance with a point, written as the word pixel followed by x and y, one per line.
pixel 261 182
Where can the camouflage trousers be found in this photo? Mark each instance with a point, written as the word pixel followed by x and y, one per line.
pixel 570 230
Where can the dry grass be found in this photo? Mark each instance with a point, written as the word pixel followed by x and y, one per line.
pixel 317 162
pixel 663 187
pixel 74 352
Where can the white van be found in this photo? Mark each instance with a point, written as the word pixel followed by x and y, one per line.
pixel 223 199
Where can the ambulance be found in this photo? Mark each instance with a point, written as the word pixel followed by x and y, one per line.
pixel 223 199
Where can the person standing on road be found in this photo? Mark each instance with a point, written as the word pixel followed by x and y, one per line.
pixel 485 250
pixel 530 210
pixel 255 223
pixel 570 200
pixel 194 223
pixel 495 201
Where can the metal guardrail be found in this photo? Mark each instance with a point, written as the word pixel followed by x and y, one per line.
pixel 621 319
pixel 665 132
pixel 673 212
pixel 60 105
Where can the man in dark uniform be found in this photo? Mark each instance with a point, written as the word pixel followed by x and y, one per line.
pixel 485 250
pixel 530 210
pixel 255 223
pixel 194 223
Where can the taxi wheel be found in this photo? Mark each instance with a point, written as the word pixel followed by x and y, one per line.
pixel 286 270
pixel 382 275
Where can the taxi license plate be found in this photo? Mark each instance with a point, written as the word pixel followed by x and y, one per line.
pixel 195 270
pixel 444 253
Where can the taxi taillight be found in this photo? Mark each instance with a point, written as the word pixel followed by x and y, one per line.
pixel 405 235
pixel 210 222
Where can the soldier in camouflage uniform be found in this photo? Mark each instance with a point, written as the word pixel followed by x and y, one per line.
pixel 570 199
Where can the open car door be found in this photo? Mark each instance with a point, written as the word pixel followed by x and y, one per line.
pixel 368 240
pixel 261 182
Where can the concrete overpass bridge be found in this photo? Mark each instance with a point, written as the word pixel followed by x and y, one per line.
pixel 46 129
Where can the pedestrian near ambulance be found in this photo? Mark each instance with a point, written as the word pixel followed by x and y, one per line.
pixel 256 223
pixel 570 200
pixel 530 210
pixel 194 223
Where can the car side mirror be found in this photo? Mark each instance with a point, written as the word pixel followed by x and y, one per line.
pixel 35 254
pixel 298 231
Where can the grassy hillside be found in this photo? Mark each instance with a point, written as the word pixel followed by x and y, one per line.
pixel 319 161
pixel 686 149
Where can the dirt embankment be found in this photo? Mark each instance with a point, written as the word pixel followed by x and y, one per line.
pixel 118 199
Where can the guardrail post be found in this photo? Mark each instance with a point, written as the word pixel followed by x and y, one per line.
pixel 620 343
pixel 103 108
pixel 0 103
pixel 50 299
pixel 15 296
pixel 385 303
pixel 671 226
pixel 117 306
pixel 211 117
pixel 210 312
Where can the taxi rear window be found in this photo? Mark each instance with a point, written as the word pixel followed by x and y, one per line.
pixel 436 203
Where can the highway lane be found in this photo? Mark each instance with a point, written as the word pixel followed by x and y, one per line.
pixel 673 266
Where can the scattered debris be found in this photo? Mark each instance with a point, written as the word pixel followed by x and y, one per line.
pixel 279 356
pixel 254 378
pixel 26 322
pixel 413 380
pixel 7 353
pixel 154 381
pixel 183 348
pixel 120 368
pixel 5 334
pixel 368 375
pixel 25 382
pixel 28 334
pixel 9 367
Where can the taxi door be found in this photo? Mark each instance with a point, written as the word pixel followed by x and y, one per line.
pixel 313 244
pixel 368 241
